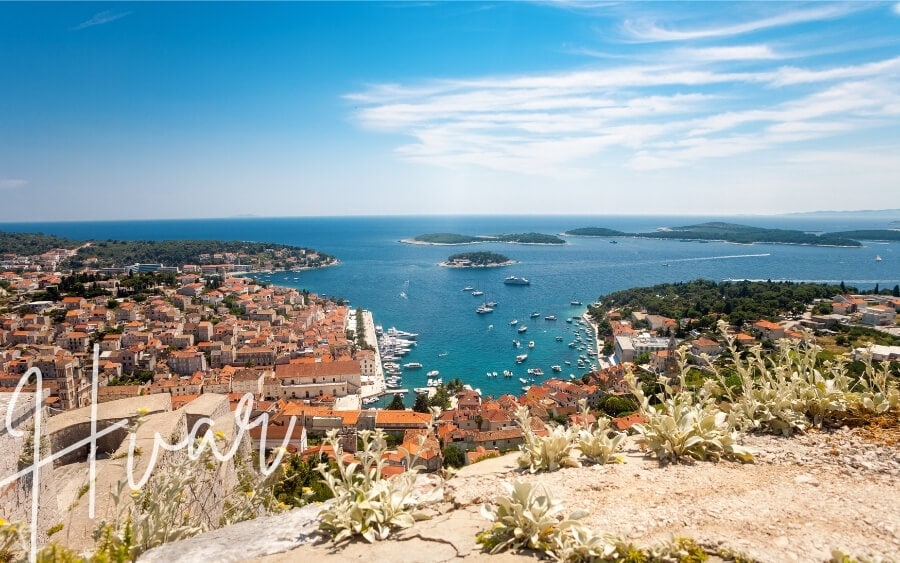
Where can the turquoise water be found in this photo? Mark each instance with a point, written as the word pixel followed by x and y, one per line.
pixel 375 269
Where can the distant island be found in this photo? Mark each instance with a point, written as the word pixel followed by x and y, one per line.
pixel 243 255
pixel 454 238
pixel 744 234
pixel 477 260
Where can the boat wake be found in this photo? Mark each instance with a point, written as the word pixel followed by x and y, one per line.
pixel 728 257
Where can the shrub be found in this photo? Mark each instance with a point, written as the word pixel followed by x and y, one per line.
pixel 546 453
pixel 365 502
pixel 598 443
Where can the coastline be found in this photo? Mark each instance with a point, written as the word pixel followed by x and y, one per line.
pixel 301 269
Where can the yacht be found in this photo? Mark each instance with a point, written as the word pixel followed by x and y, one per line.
pixel 412 365
pixel 550 318
pixel 523 328
pixel 401 334
pixel 483 310
pixel 521 358
pixel 513 280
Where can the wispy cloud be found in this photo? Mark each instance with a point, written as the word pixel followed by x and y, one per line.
pixel 731 53
pixel 12 183
pixel 100 18
pixel 648 30
pixel 897 8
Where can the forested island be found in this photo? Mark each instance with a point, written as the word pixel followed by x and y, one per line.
pixel 454 238
pixel 744 234
pixel 121 253
pixel 477 260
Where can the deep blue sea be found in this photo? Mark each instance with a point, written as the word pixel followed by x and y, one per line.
pixel 375 268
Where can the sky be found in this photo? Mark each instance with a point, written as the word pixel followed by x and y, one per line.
pixel 177 110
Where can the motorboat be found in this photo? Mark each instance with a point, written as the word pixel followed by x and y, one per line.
pixel 521 358
pixel 550 318
pixel 522 329
pixel 514 280
pixel 412 365
pixel 535 315
pixel 531 344
pixel 514 322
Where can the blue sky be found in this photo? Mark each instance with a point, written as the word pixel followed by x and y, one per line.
pixel 168 110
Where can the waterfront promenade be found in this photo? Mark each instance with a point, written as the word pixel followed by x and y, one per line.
pixel 376 386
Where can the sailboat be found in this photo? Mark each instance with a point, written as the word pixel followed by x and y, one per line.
pixel 877 258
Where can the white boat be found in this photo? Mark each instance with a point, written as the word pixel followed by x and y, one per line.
pixel 877 258
pixel 556 368
pixel 576 302
pixel 483 310
pixel 516 343
pixel 476 293
pixel 507 373
pixel 550 318
pixel 535 315
pixel 523 328
pixel 422 390
pixel 514 322
pixel 559 338
pixel 468 288
pixel 521 358
pixel 523 380
pixel 433 373
pixel 513 280
pixel 402 334
pixel 412 365
pixel 531 344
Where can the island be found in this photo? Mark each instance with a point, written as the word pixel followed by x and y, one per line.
pixel 477 260
pixel 741 234
pixel 454 238
pixel 150 255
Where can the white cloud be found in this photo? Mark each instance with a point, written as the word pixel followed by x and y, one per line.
pixel 650 31
pixel 12 183
pixel 100 18
pixel 734 53
pixel 897 8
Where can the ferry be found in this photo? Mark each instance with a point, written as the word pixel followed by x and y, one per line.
pixel 523 328
pixel 513 280
pixel 521 358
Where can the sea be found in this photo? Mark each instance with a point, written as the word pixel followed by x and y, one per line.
pixel 403 286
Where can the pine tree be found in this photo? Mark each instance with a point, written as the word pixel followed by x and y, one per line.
pixel 396 403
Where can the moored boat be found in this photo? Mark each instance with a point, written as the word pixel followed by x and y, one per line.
pixel 521 358
pixel 514 280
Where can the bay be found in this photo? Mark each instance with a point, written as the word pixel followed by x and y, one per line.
pixel 376 268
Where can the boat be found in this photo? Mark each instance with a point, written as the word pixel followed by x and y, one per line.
pixel 402 334
pixel 493 374
pixel 550 318
pixel 491 304
pixel 877 258
pixel 422 390
pixel 468 288
pixel 514 322
pixel 483 310
pixel 507 373
pixel 476 293
pixel 556 368
pixel 569 320
pixel 535 315
pixel 433 373
pixel 522 328
pixel 412 365
pixel 523 380
pixel 568 363
pixel 514 280
pixel 443 354
pixel 531 344
pixel 559 338
pixel 617 242
pixel 516 343
pixel 521 358
pixel 575 302
pixel 537 372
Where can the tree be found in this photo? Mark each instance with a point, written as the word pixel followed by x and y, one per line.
pixel 453 456
pixel 843 287
pixel 421 404
pixel 396 403
pixel 896 291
